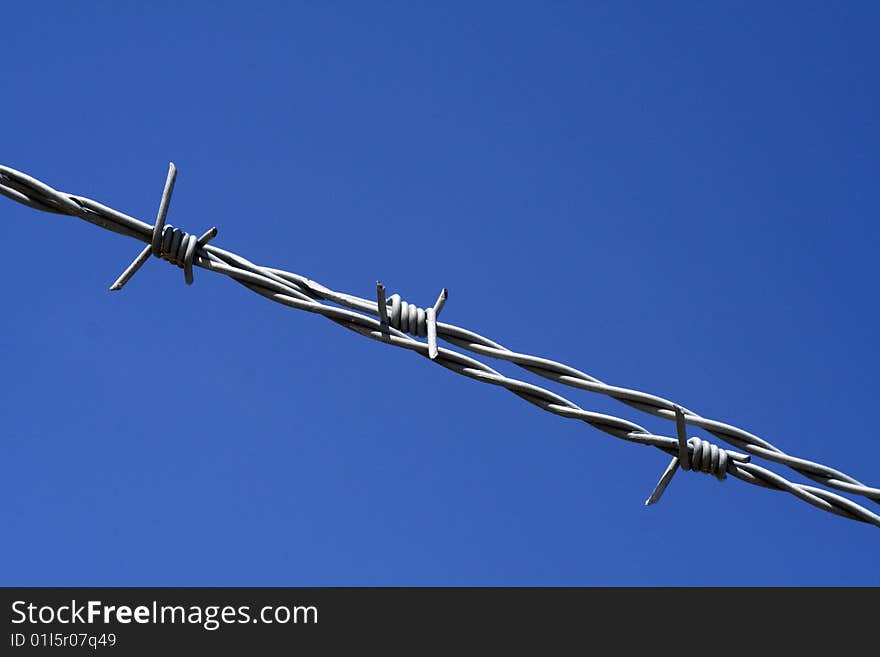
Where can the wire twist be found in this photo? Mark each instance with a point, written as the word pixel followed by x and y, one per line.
pixel 706 457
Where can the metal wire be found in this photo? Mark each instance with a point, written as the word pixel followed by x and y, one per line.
pixel 397 324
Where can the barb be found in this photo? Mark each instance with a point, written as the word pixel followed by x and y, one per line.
pixel 358 314
pixel 410 318
pixel 172 244
pixel 697 455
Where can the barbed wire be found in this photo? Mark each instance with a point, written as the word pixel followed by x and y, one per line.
pixel 398 323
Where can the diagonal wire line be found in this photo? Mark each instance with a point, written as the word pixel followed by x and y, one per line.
pixel 359 315
pixel 642 401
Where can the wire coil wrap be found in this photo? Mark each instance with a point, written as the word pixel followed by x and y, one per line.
pixel 697 455
pixel 408 317
pixel 178 247
pixel 167 242
pixel 706 457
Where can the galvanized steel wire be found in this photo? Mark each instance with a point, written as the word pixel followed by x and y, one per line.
pixel 400 324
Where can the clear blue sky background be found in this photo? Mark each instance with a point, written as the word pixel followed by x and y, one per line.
pixel 677 197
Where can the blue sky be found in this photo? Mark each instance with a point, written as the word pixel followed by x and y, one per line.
pixel 675 197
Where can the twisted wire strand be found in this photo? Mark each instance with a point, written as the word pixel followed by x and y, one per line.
pixel 357 314
pixel 642 401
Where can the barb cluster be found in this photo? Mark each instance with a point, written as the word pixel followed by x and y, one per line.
pixel 397 326
pixel 172 244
